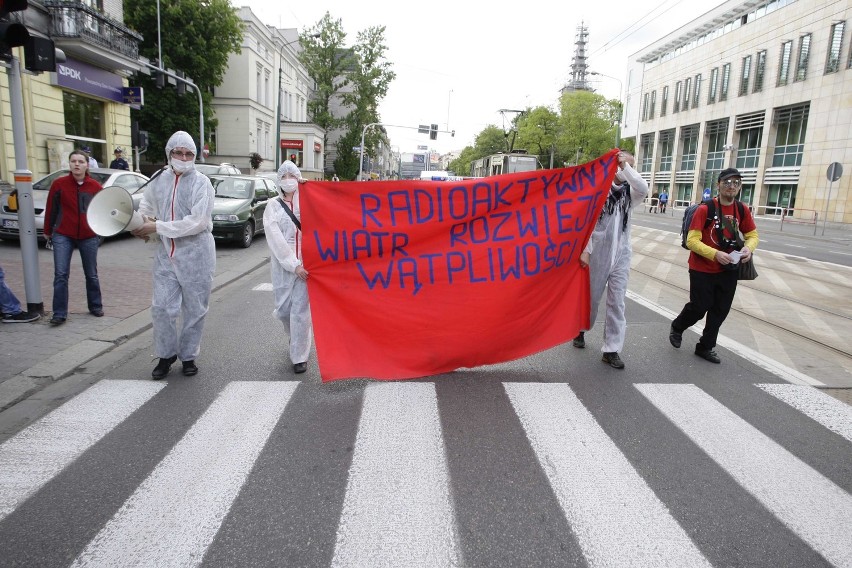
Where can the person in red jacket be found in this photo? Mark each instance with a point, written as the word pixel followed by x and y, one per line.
pixel 66 228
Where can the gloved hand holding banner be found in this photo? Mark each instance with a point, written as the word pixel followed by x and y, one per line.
pixel 417 278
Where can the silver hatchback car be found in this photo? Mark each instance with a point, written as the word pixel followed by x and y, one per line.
pixel 131 181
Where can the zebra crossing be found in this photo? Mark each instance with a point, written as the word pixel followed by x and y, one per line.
pixel 400 504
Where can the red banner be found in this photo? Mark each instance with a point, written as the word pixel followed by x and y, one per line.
pixel 417 278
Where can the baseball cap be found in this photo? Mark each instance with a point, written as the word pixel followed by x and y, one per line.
pixel 728 173
pixel 117 150
pixel 86 149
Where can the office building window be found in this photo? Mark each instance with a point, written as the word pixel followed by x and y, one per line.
pixel 784 66
pixel 697 90
pixel 804 57
pixel 717 135
pixel 645 106
pixel 759 71
pixel 678 88
pixel 791 125
pixel 647 153
pixel 665 101
pixel 835 44
pixel 745 76
pixel 714 80
pixel 726 81
pixel 667 139
pixel 686 86
pixel 688 147
pixel 653 104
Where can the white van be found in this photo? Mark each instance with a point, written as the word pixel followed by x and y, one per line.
pixel 434 175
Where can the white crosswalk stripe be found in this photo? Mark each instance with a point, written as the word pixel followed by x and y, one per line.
pixel 35 455
pixel 175 513
pixel 828 411
pixel 398 507
pixel 812 506
pixel 397 510
pixel 617 518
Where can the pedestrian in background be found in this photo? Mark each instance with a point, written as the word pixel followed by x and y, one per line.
pixel 282 220
pixel 66 228
pixel 178 206
pixel 93 163
pixel 713 270
pixel 664 200
pixel 119 163
pixel 607 256
pixel 10 306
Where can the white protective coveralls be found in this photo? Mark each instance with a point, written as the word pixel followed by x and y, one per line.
pixel 184 265
pixel 610 252
pixel 291 292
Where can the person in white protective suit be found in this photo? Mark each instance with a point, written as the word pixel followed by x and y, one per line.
pixel 607 255
pixel 289 277
pixel 178 206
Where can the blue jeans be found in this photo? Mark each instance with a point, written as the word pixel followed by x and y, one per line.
pixel 63 247
pixel 9 304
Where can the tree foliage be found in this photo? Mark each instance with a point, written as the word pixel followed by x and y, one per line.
pixel 358 77
pixel 197 37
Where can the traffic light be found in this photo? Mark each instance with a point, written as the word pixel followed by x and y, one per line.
pixel 160 78
pixel 40 54
pixel 12 34
pixel 181 86
pixel 433 132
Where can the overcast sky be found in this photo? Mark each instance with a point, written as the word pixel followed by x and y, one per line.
pixel 459 62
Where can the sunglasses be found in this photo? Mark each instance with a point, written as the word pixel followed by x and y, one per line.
pixel 732 183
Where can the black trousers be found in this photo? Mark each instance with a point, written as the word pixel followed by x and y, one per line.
pixel 711 294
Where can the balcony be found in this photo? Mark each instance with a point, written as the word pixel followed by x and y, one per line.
pixel 82 31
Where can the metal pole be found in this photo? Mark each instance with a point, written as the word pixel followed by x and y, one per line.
pixel 361 148
pixel 24 187
pixel 159 40
pixel 278 119
pixel 827 200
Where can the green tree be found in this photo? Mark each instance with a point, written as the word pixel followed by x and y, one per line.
pixel 197 38
pixel 329 63
pixel 461 165
pixel 491 140
pixel 585 126
pixel 537 133
pixel 370 79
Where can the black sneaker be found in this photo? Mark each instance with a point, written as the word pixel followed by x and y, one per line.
pixel 20 317
pixel 56 320
pixel 189 368
pixel 579 341
pixel 675 337
pixel 613 360
pixel 300 368
pixel 162 368
pixel 707 354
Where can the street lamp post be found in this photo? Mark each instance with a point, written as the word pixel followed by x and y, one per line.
pixel 620 110
pixel 278 106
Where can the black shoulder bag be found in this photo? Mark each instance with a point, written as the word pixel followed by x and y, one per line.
pixel 290 213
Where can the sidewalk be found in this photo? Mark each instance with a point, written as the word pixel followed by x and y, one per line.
pixel 33 355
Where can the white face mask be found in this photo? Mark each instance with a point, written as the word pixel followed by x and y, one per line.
pixel 180 167
pixel 288 185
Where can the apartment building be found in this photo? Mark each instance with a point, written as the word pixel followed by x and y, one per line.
pixel 261 104
pixel 761 85
pixel 85 102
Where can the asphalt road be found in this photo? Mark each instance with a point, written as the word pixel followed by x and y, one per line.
pixel 554 459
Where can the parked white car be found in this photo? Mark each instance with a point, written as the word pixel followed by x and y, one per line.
pixel 131 181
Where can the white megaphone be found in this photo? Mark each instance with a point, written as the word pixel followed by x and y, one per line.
pixel 111 212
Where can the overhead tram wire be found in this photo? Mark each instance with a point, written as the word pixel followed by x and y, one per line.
pixel 628 28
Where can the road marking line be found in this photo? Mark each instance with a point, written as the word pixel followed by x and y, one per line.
pixel 617 518
pixel 397 510
pixel 174 515
pixel 825 409
pixel 776 368
pixel 38 453
pixel 265 287
pixel 802 498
